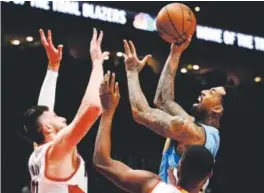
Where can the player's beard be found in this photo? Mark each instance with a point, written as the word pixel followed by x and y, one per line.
pixel 198 112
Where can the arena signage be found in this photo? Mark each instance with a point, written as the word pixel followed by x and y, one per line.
pixel 143 21
pixel 82 9
pixel 230 38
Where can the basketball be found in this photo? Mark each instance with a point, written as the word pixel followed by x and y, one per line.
pixel 175 22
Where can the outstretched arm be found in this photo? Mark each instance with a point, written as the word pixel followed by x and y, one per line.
pixel 176 127
pixel 164 98
pixel 90 108
pixel 97 56
pixel 48 88
pixel 120 174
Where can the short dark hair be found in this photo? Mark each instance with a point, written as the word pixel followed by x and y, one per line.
pixel 196 163
pixel 31 125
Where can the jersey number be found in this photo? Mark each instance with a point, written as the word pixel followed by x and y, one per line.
pixel 34 186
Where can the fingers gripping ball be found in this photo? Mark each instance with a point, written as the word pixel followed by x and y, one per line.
pixel 175 22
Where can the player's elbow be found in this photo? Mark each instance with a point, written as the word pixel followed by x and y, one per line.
pixel 135 113
pixel 158 102
pixel 100 168
pixel 97 163
pixel 138 114
pixel 101 165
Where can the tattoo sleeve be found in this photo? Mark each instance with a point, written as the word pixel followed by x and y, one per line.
pixel 179 128
pixel 136 97
pixel 176 127
pixel 164 98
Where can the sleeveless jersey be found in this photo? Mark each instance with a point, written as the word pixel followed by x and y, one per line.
pixel 161 187
pixel 40 183
pixel 171 158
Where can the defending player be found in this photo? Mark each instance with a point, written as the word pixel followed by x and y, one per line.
pixel 194 169
pixel 55 165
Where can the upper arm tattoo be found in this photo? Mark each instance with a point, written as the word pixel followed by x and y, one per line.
pixel 178 128
pixel 186 131
pixel 164 98
pixel 155 119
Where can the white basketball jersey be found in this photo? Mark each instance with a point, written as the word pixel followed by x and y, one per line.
pixel 77 183
pixel 161 187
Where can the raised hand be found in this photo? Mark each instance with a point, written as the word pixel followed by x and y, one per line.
pixel 54 54
pixel 180 48
pixel 95 47
pixel 131 59
pixel 109 93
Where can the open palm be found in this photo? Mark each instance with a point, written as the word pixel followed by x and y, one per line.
pixel 95 47
pixel 54 54
pixel 131 59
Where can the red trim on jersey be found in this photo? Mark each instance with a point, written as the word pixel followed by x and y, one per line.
pixel 59 179
pixel 74 189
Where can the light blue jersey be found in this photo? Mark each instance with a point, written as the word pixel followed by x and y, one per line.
pixel 171 159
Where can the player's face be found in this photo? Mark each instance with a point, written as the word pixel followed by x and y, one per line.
pixel 210 100
pixel 52 121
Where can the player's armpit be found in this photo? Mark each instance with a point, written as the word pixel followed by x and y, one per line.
pixel 69 137
pixel 177 127
pixel 128 179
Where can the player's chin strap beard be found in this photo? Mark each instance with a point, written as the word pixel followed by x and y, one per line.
pixel 214 120
pixel 199 114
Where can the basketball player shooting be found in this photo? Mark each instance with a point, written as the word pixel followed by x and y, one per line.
pixel 55 165
pixel 170 120
pixel 194 169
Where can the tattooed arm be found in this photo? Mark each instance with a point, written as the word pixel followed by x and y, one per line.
pixel 175 127
pixel 164 98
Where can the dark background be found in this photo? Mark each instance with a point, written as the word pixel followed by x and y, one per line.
pixel 240 160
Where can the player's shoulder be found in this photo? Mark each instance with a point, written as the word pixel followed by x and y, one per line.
pixel 212 138
pixel 208 128
pixel 38 152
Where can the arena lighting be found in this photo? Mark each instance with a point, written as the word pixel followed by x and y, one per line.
pixel 119 54
pixel 183 70
pixel 257 79
pixel 29 38
pixel 197 8
pixel 142 21
pixel 189 66
pixel 106 58
pixel 15 42
pixel 196 67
